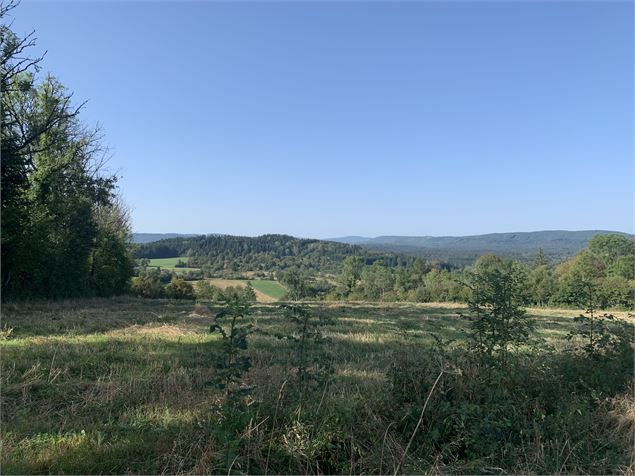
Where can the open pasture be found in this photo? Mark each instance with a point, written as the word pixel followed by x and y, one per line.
pixel 170 264
pixel 123 385
pixel 267 290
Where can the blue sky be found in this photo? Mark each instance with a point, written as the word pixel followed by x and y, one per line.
pixel 338 118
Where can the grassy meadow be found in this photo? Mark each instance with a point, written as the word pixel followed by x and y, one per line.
pixel 122 385
pixel 167 263
pixel 170 264
pixel 267 290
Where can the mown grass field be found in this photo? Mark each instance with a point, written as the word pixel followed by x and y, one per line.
pixel 122 385
pixel 170 264
pixel 270 288
pixel 267 290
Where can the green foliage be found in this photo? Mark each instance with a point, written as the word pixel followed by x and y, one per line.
pixel 350 273
pixel 605 269
pixel 179 289
pixel 232 361
pixel 248 293
pixel 57 239
pixel 442 285
pixel 223 254
pixel 498 291
pixel 540 285
pixel 148 285
pixel 300 285
pixel 600 334
pixel 615 253
pixel 206 290
pixel 320 270
pixel 296 282
pixel 377 280
pixel 306 339
pixel 111 264
pixel 245 293
pixel 483 420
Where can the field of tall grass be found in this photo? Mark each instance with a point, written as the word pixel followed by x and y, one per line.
pixel 125 385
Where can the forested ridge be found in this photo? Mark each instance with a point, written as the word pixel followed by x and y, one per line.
pixel 263 253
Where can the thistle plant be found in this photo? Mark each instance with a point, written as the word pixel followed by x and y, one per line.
pixel 307 337
pixel 599 333
pixel 232 362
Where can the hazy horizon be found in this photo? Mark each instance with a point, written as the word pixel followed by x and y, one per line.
pixel 332 119
pixel 349 235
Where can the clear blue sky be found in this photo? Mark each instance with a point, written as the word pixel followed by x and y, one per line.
pixel 330 119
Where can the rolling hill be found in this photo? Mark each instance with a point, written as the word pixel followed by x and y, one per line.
pixel 141 238
pixel 557 245
pixel 226 253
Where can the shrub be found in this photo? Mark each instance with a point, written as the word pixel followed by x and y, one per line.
pixel 246 293
pixel 206 290
pixel 520 417
pixel 179 289
pixel 147 286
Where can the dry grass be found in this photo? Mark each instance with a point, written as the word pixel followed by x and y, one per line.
pixel 122 386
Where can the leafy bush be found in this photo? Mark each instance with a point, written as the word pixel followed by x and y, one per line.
pixel 528 411
pixel 147 286
pixel 601 335
pixel 498 290
pixel 179 289
pixel 206 290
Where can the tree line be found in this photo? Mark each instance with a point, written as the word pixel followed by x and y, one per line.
pixel 605 268
pixel 65 232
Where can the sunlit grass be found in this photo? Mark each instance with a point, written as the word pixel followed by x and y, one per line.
pixel 123 385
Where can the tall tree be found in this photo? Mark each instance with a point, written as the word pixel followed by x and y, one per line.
pixel 54 190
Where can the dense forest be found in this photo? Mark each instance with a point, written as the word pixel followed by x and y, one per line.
pixel 220 253
pixel 64 229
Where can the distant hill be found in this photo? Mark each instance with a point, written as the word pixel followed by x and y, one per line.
pixel 150 237
pixel 226 253
pixel 271 252
pixel 351 240
pixel 557 245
